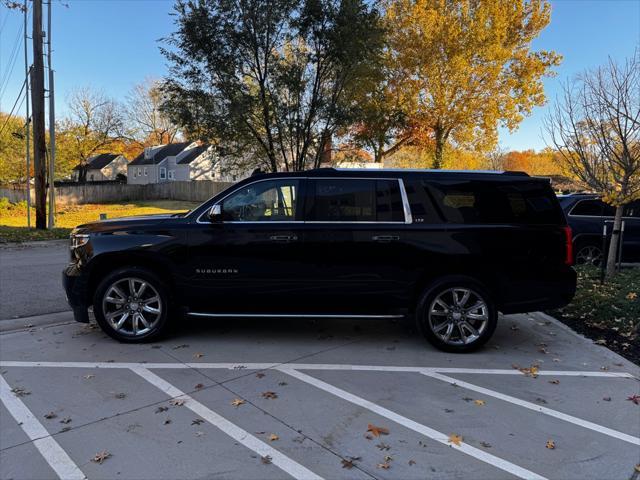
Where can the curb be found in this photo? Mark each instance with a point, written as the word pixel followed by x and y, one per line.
pixel 25 323
pixel 34 243
pixel 613 356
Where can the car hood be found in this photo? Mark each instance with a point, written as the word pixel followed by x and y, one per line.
pixel 112 224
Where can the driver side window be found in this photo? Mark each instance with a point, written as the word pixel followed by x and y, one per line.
pixel 267 201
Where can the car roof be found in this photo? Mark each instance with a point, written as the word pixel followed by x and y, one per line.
pixel 399 172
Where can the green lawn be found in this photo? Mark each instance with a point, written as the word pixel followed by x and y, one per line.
pixel 13 218
pixel 610 313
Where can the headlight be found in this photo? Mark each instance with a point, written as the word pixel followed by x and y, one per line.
pixel 78 240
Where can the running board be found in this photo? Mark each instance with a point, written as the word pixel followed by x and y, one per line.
pixel 285 315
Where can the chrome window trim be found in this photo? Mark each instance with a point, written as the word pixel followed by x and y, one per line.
pixel 408 218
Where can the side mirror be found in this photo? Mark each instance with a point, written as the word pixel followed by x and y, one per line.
pixel 215 214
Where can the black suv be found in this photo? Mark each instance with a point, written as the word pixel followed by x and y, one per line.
pixel 587 215
pixel 450 249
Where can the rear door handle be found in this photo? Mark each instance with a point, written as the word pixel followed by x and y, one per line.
pixel 283 238
pixel 385 238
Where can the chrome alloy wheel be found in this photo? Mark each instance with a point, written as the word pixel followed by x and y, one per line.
pixel 589 255
pixel 458 316
pixel 132 306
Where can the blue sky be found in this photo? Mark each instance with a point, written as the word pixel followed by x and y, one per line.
pixel 112 44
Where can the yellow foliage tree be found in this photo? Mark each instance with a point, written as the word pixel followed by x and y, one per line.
pixel 467 66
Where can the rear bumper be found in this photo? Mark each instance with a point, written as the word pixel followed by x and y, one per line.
pixel 75 287
pixel 543 293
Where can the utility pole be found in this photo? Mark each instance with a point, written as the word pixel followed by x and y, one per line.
pixel 37 101
pixel 27 119
pixel 52 128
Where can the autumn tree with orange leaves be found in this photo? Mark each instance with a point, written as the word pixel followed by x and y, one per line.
pixel 459 69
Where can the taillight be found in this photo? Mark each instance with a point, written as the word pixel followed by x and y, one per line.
pixel 568 237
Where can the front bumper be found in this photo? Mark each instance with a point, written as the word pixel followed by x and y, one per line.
pixel 75 287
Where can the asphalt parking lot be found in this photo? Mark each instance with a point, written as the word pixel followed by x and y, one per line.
pixel 323 399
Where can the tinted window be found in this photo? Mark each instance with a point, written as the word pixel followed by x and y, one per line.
pixel 632 209
pixel 497 202
pixel 268 201
pixel 421 203
pixel 588 207
pixel 352 200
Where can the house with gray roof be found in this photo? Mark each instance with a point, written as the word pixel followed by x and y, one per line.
pixel 103 167
pixel 156 164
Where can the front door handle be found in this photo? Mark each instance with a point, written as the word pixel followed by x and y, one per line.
pixel 283 238
pixel 385 238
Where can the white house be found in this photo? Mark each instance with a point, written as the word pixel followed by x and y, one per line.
pixel 103 167
pixel 181 162
pixel 156 164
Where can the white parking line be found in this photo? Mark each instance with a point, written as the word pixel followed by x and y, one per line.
pixel 313 366
pixel 52 452
pixel 242 436
pixel 415 426
pixel 537 408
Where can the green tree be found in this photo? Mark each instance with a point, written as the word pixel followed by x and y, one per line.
pixel 13 166
pixel 467 67
pixel 270 77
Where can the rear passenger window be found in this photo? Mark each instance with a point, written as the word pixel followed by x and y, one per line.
pixel 588 207
pixel 354 200
pixel 497 202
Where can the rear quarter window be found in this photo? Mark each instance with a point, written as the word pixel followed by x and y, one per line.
pixel 485 202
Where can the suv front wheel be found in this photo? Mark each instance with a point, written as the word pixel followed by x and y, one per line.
pixel 457 315
pixel 131 305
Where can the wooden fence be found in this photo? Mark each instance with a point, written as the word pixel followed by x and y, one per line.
pixel 195 191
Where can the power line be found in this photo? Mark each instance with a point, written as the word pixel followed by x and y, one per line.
pixel 12 61
pixel 14 107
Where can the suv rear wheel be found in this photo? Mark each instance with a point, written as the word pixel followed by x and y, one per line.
pixel 457 315
pixel 131 305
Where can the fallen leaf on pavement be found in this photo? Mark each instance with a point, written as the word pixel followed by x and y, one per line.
pixel 167 421
pixel 161 409
pixel 554 382
pixel 485 444
pixel 237 402
pixel 479 402
pixel 377 431
pixel 551 444
pixel 89 376
pixel 184 345
pixel 269 395
pixel 383 446
pixel 455 439
pixel 259 374
pixel 273 437
pixel 101 457
pixel 50 415
pixel 266 459
pixel 199 386
pixel 177 402
pixel 20 392
pixel 635 399
pixel 120 396
pixel 637 468
pixel 347 463
pixel 412 462
pixel 632 296
pixel 198 355
pixel 282 384
pixel 66 420
pixel 531 371
pixel 197 421
pixel 384 466
pixel 606 399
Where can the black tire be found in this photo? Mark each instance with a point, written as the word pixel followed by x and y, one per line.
pixel 103 307
pixel 441 290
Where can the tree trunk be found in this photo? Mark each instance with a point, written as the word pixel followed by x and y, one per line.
pixel 613 246
pixel 440 139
